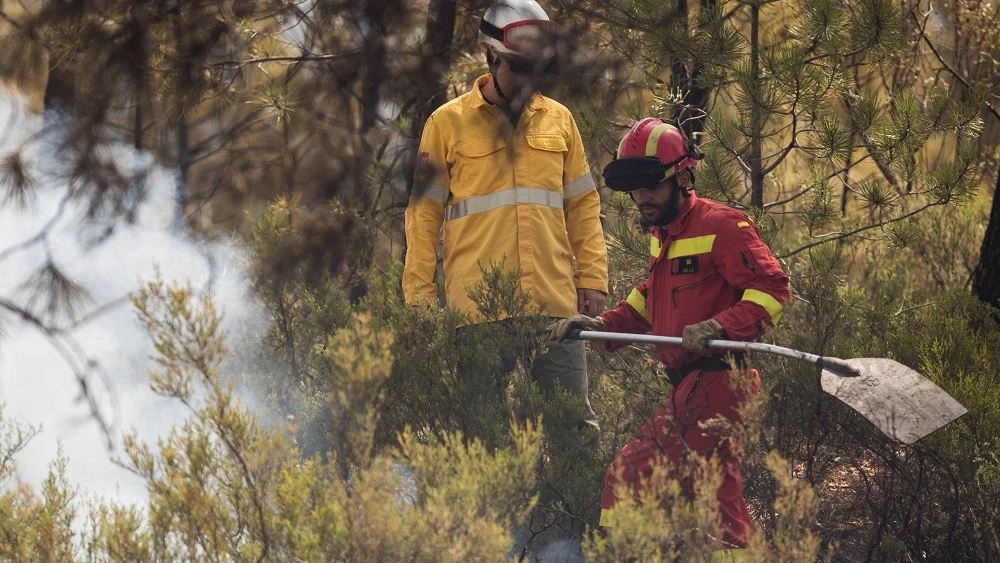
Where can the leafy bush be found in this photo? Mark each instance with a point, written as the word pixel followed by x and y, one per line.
pixel 223 487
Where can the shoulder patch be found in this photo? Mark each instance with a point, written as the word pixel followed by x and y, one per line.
pixel 743 224
pixel 422 171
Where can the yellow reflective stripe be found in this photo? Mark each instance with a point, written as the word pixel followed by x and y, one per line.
pixel 607 518
pixel 516 196
pixel 765 300
pixel 654 138
pixel 638 302
pixel 654 247
pixel 730 555
pixel 691 246
pixel 742 224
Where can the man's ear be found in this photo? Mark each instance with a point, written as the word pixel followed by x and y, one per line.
pixel 685 179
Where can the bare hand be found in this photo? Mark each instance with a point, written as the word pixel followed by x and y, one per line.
pixel 590 301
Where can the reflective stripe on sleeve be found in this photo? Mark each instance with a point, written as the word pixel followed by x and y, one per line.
pixel 489 202
pixel 691 246
pixel 638 302
pixel 578 187
pixel 765 300
pixel 433 192
pixel 607 518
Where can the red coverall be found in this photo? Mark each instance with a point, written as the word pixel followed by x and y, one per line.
pixel 708 263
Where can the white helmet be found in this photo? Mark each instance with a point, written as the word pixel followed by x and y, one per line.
pixel 513 26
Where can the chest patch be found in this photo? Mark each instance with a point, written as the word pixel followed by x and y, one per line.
pixel 684 265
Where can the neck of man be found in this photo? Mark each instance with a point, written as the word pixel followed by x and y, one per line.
pixel 492 96
pixel 511 110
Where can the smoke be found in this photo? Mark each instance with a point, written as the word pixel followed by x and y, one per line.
pixel 556 545
pixel 109 261
pixel 560 551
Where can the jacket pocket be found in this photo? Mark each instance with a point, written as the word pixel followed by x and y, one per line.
pixel 546 159
pixel 687 303
pixel 758 259
pixel 482 166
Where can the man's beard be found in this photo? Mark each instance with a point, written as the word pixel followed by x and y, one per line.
pixel 667 212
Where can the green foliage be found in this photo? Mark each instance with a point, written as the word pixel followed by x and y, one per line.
pixel 877 198
pixel 833 140
pixel 820 209
pixel 664 522
pixel 817 113
pixel 33 526
pixel 872 302
pixel 676 514
pixel 877 27
pixel 475 379
pixel 224 487
pixel 718 175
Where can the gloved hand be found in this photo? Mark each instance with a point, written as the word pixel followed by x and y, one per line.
pixel 559 330
pixel 695 335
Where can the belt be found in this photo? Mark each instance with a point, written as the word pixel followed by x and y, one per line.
pixel 711 363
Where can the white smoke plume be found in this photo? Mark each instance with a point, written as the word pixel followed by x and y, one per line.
pixel 37 382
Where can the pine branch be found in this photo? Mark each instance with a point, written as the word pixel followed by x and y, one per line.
pixel 841 236
pixel 286 58
pixel 79 364
pixel 880 161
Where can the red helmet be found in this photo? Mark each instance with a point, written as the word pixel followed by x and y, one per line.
pixel 649 153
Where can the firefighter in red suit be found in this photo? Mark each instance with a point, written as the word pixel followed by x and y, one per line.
pixel 710 277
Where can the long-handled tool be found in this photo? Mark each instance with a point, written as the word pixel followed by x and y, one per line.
pixel 902 403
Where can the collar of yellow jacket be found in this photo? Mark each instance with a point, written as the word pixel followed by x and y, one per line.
pixel 536 103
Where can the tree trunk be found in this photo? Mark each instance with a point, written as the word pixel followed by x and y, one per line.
pixel 375 74
pixel 137 126
pixel 756 119
pixel 986 278
pixel 685 76
pixel 439 33
pixel 184 166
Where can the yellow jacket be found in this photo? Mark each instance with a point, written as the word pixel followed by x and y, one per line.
pixel 525 194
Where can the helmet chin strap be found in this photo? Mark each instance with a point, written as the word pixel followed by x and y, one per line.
pixel 493 61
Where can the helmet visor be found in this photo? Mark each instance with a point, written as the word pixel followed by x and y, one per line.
pixel 631 173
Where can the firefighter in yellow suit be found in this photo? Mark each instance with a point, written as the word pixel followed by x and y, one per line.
pixel 502 169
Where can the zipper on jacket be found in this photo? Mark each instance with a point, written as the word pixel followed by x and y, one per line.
pixel 673 292
pixel 746 262
pixel 694 387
